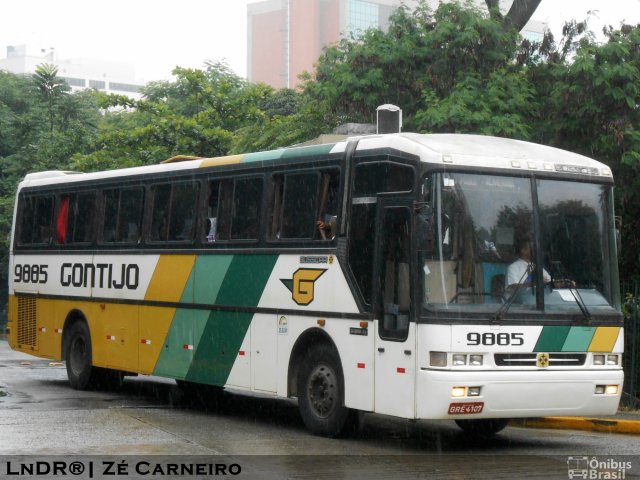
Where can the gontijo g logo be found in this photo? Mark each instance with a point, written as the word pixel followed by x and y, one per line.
pixel 302 284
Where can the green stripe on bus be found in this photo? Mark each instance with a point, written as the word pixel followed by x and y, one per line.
pixel 306 152
pixel 262 156
pixel 183 338
pixel 222 337
pixel 210 271
pixel 551 339
pixel 578 339
pixel 187 326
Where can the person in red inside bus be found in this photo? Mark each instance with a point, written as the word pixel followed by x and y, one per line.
pixel 61 225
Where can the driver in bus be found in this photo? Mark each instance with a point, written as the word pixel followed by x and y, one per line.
pixel 523 270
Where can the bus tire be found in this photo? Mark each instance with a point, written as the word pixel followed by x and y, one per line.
pixel 483 428
pixel 78 358
pixel 321 393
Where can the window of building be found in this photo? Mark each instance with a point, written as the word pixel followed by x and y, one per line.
pixel 362 16
pixel 98 84
pixel 123 87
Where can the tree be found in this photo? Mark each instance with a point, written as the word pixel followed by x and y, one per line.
pixel 41 127
pixel 51 88
pixel 195 114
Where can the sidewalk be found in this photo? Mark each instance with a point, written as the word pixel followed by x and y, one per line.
pixel 623 422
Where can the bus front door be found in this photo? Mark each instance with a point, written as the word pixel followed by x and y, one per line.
pixel 395 333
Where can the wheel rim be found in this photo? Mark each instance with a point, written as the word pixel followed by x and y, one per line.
pixel 78 355
pixel 322 390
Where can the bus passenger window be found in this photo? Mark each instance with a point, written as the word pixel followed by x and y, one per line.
pixel 122 215
pixel 247 198
pixel 76 212
pixel 183 207
pixel 173 213
pixel 37 219
pixel 299 205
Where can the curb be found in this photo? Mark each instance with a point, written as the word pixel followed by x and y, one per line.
pixel 607 425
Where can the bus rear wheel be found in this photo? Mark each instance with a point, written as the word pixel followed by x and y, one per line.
pixel 78 357
pixel 321 393
pixel 486 427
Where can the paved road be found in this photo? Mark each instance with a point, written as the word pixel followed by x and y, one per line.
pixel 41 415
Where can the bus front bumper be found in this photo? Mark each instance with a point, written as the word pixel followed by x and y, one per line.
pixel 511 394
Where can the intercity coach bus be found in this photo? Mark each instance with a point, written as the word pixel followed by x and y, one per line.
pixel 457 277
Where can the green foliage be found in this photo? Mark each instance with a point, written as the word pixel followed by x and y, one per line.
pixel 424 56
pixel 196 114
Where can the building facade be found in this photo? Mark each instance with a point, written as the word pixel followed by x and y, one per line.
pixel 286 37
pixel 79 73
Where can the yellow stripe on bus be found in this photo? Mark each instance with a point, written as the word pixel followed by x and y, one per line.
pixel 170 277
pixel 604 339
pixel 219 161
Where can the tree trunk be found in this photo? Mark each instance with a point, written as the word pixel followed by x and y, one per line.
pixel 517 16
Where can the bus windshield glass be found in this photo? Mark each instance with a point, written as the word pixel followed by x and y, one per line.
pixel 480 253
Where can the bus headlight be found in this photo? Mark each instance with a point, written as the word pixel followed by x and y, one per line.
pixel 458 359
pixel 458 392
pixel 612 359
pixel 598 359
pixel 475 360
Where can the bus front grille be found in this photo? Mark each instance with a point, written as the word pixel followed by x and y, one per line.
pixel 530 359
pixel 27 322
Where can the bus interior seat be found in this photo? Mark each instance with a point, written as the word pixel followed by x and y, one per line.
pixel 437 290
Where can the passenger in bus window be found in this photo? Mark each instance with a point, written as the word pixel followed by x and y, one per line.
pixel 328 227
pixel 523 270
pixel 212 224
pixel 44 232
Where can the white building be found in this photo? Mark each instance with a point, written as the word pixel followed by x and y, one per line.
pixel 79 73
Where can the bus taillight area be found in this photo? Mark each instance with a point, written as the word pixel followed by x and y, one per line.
pixel 516 394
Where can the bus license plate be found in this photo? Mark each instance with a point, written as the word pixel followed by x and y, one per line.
pixel 465 408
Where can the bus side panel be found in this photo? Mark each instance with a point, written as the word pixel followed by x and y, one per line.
pixel 316 285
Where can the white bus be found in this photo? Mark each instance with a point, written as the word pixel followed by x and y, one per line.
pixel 455 277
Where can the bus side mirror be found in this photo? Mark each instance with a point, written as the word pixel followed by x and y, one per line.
pixel 618 227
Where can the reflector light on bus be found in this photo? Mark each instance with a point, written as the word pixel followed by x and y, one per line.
pixel 438 359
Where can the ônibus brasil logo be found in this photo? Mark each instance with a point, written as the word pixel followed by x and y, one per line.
pixel 302 284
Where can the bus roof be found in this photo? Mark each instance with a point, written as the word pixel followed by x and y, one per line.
pixel 456 150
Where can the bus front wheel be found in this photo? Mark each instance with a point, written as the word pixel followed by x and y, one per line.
pixel 485 427
pixel 321 393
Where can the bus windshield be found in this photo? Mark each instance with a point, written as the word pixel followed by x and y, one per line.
pixel 495 242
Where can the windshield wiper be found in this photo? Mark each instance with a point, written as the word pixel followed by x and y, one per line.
pixel 581 304
pixel 504 308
